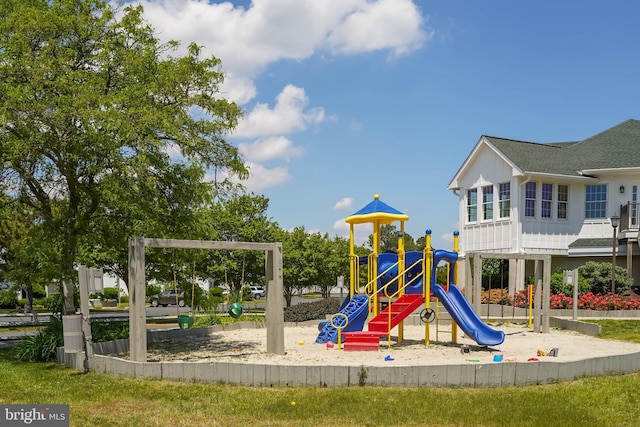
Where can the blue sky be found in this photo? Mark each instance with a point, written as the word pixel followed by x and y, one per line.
pixel 345 99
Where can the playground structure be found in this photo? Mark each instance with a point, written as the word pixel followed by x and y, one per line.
pixel 275 371
pixel 137 314
pixel 402 282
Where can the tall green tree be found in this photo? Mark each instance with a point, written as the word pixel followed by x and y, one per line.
pixel 389 239
pixel 298 271
pixel 241 218
pixel 91 106
pixel 333 256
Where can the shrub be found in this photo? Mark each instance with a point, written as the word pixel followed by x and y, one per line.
pixel 109 331
pixel 588 301
pixel 110 293
pixel 311 310
pixel 216 291
pixel 209 319
pixel 496 296
pixel 234 296
pixel 8 299
pixel 124 299
pixel 560 301
pixel 41 347
pixel 247 295
pixel 598 276
pixel 52 304
pixel 559 287
pixel 210 302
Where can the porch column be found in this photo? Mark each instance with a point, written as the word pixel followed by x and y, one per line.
pixel 629 258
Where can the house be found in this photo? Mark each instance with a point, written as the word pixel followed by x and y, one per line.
pixel 557 199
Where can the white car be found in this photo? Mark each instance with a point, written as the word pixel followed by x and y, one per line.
pixel 258 292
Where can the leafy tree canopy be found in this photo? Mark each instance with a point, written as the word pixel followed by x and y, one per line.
pixel 92 107
pixel 389 240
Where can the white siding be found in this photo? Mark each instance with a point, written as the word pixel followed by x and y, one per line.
pixel 491 235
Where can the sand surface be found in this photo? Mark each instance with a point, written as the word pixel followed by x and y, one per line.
pixel 521 344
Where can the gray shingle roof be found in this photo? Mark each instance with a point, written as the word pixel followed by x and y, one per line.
pixel 591 243
pixel 617 147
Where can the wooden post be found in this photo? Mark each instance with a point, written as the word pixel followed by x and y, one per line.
pixel 546 298
pixel 84 276
pixel 477 283
pixel 137 300
pixel 537 300
pixel 274 310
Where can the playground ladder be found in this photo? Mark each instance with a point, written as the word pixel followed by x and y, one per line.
pixel 439 310
pixel 381 325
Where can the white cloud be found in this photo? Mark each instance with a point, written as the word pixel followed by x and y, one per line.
pixel 287 116
pixel 237 88
pixel 344 204
pixel 269 127
pixel 385 24
pixel 261 177
pixel 248 39
pixel 269 148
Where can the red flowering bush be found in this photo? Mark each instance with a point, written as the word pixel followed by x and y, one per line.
pixel 521 299
pixel 561 301
pixel 588 301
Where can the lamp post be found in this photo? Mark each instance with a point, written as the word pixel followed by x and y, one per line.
pixel 615 222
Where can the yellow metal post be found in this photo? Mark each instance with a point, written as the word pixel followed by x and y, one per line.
pixel 456 249
pixel 426 280
pixel 400 281
pixel 353 263
pixel 374 264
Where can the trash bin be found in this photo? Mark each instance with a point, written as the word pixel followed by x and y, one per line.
pixel 185 321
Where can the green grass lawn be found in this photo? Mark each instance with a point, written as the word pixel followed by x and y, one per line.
pixel 624 330
pixel 103 400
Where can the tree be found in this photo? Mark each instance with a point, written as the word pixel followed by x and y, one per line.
pixel 242 218
pixel 91 105
pixel 298 272
pixel 334 256
pixel 494 269
pixel 23 260
pixel 389 239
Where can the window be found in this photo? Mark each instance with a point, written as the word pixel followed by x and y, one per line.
pixel 563 201
pixel 547 200
pixel 505 199
pixel 530 200
pixel 595 205
pixel 472 205
pixel 487 202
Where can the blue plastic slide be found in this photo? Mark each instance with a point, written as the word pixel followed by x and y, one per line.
pixel 356 309
pixel 463 314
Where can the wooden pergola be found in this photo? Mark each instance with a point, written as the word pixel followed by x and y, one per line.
pixel 542 273
pixel 137 285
